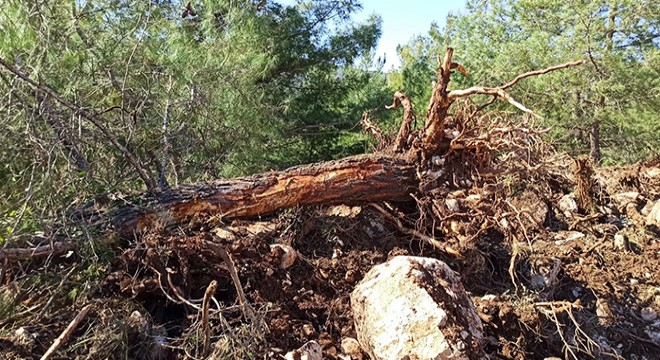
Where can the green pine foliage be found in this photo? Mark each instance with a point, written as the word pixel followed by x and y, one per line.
pixel 222 89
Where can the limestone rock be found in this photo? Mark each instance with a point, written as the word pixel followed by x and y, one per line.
pixel 568 205
pixel 653 218
pixel 621 200
pixel 415 307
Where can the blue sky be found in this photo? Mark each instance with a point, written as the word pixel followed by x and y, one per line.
pixel 402 20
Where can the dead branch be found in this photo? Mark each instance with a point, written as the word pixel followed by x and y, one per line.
pixel 401 140
pixel 383 140
pixel 497 92
pixel 226 257
pixel 56 248
pixel 210 290
pixel 92 118
pixel 64 336
pixel 540 72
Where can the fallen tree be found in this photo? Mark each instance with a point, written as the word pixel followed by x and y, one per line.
pixel 456 150
pixel 392 176
pixel 360 179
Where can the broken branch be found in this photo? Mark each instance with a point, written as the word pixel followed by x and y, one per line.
pixel 67 332
pixel 401 141
pixel 56 248
pixel 540 72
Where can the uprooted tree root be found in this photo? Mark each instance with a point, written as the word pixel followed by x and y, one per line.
pixel 528 229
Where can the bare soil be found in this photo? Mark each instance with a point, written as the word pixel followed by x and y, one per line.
pixel 568 290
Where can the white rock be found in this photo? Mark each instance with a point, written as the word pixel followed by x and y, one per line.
pixel 653 218
pixel 452 205
pixel 621 200
pixel 351 347
pixel 415 307
pixel 648 314
pixel 310 351
pixel 620 241
pixel 568 205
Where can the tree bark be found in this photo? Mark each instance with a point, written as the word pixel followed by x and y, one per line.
pixel 360 179
pixel 594 141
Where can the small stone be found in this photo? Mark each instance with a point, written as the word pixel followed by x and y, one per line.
pixel 224 234
pixel 474 198
pixel 23 338
pixel 332 351
pixel 653 218
pixel 648 314
pixel 138 322
pixel 288 255
pixel 351 347
pixel 350 276
pixel 620 242
pixel 489 297
pixel 310 351
pixel 624 198
pixel 568 205
pixel 604 313
pixel 308 330
pixel 452 205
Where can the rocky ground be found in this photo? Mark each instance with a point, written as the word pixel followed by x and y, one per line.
pixel 576 281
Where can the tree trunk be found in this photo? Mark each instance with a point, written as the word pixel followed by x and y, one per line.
pixel 360 179
pixel 594 141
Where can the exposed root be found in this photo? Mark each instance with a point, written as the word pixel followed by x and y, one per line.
pixel 412 232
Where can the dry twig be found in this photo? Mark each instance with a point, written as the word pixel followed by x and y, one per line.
pixel 247 310
pixel 210 290
pixel 64 336
pixel 56 248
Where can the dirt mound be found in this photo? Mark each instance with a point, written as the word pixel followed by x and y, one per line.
pixel 551 276
pixel 567 285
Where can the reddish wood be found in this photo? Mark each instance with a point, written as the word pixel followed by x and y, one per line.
pixel 360 179
pixel 401 141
